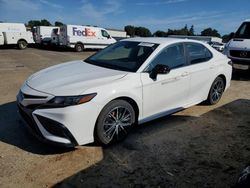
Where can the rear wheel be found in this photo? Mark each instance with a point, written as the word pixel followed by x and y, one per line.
pixel 22 44
pixel 114 122
pixel 79 47
pixel 216 91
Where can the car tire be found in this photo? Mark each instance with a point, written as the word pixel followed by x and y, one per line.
pixel 79 47
pixel 114 122
pixel 216 91
pixel 22 44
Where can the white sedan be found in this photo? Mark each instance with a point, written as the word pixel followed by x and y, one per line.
pixel 132 81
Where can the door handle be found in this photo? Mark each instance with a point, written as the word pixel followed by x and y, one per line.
pixel 184 74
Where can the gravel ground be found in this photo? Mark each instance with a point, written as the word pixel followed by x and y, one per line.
pixel 203 146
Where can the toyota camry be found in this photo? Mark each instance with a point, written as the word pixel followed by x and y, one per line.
pixel 130 82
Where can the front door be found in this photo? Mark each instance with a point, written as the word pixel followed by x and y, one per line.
pixel 169 92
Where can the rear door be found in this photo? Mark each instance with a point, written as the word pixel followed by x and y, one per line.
pixel 1 39
pixel 201 69
pixel 63 35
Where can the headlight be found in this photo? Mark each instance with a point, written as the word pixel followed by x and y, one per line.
pixel 70 100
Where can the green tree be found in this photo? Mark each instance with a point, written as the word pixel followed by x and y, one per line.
pixel 210 32
pixel 160 33
pixel 45 22
pixel 57 23
pixel 142 32
pixel 191 31
pixel 33 23
pixel 130 30
pixel 228 37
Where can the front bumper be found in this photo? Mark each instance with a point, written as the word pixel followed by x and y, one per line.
pixel 68 126
pixel 39 126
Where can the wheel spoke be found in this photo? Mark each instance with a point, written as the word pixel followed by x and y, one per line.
pixel 111 115
pixel 126 118
pixel 109 129
pixel 125 124
pixel 123 114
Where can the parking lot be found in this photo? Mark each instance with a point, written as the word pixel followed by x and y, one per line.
pixel 203 146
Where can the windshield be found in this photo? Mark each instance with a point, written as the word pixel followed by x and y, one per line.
pixel 243 31
pixel 123 55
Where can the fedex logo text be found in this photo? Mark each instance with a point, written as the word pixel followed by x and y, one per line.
pixel 86 32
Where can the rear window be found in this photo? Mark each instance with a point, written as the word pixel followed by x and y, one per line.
pixel 198 53
pixel 243 31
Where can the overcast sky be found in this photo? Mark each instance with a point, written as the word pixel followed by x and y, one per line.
pixel 223 15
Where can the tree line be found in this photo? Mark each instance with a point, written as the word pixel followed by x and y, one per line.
pixel 43 22
pixel 188 31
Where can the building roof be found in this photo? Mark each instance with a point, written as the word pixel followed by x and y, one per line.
pixel 115 29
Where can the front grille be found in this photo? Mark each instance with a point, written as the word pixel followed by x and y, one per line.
pixel 240 53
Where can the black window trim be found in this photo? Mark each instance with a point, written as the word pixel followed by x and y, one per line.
pixel 188 57
pixel 171 45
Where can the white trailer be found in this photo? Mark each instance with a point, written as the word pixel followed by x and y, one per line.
pixel 117 33
pixel 15 34
pixel 83 37
pixel 43 34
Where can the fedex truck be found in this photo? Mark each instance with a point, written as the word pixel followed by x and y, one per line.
pixel 84 37
pixel 238 48
pixel 15 34
pixel 46 35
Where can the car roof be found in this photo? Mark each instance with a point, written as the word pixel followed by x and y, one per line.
pixel 160 40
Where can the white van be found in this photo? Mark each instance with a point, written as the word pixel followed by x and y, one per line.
pixel 44 34
pixel 83 37
pixel 238 48
pixel 15 33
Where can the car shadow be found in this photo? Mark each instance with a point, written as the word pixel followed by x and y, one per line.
pixel 14 132
pixel 176 151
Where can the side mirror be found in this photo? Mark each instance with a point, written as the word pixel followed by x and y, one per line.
pixel 159 69
pixel 109 37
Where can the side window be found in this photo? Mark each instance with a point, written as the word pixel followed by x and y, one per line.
pixel 105 33
pixel 172 56
pixel 198 53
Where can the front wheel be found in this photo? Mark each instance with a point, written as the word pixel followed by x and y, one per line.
pixel 22 44
pixel 216 91
pixel 114 122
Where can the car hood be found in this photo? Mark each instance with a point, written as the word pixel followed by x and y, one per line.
pixel 240 43
pixel 72 78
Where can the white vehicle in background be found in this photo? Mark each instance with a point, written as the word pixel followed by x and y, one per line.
pixel 217 45
pixel 83 37
pixel 15 34
pixel 45 35
pixel 238 48
pixel 132 81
